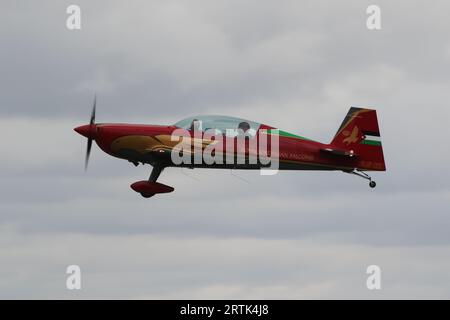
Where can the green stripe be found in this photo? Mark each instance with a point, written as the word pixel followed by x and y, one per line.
pixel 286 134
pixel 371 142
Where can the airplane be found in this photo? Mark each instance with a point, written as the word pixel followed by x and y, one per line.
pixel 355 148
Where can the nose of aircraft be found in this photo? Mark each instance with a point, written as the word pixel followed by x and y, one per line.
pixel 86 130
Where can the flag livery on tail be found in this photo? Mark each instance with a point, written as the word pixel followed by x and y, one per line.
pixel 359 134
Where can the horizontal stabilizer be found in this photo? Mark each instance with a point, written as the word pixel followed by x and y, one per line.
pixel 339 152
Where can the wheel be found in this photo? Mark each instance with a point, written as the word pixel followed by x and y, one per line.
pixel 147 195
pixel 372 184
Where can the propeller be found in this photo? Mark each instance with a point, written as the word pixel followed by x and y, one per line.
pixel 89 131
pixel 91 125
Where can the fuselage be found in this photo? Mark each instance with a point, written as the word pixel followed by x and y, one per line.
pixel 154 143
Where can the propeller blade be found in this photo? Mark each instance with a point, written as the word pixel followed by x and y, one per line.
pixel 93 111
pixel 89 144
pixel 88 153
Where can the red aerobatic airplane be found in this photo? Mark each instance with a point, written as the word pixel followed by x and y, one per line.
pixel 355 148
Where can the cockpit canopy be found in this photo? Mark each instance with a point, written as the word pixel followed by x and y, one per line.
pixel 221 124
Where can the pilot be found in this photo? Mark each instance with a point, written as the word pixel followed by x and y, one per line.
pixel 244 126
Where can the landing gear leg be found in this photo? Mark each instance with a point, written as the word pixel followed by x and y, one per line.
pixel 156 171
pixel 364 175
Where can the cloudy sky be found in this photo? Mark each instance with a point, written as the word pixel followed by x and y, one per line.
pixel 297 65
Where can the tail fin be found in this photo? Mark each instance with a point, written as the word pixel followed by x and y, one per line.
pixel 359 134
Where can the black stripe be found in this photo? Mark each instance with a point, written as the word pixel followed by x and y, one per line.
pixel 371 133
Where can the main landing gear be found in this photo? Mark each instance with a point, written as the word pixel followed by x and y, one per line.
pixel 364 175
pixel 148 188
pixel 154 175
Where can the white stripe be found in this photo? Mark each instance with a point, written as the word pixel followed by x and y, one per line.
pixel 373 138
